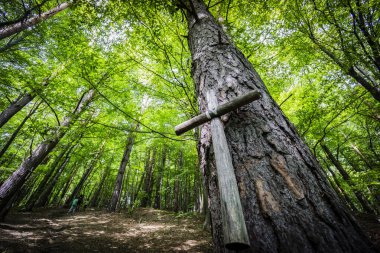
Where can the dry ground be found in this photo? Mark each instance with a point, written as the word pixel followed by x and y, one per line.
pixel 146 230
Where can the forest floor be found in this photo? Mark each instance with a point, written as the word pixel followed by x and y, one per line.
pixel 145 230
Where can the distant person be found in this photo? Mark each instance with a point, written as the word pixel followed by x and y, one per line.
pixel 74 205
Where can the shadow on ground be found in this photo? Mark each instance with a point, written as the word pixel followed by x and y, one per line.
pixel 146 230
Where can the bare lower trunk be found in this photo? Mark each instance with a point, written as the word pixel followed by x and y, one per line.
pixel 287 202
pixel 66 186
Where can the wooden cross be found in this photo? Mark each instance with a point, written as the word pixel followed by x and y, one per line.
pixel 234 229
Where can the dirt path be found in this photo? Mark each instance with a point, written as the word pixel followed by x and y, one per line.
pixel 147 230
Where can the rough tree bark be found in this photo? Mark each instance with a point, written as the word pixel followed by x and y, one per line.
pixel 287 202
pixel 120 175
pixel 23 24
pixel 18 178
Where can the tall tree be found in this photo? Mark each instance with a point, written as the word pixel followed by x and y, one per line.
pixel 44 197
pixel 287 203
pixel 148 181
pixel 157 197
pixel 120 175
pixel 41 186
pixel 96 195
pixel 18 178
pixel 85 175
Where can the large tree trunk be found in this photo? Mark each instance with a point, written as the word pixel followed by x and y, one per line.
pixel 287 202
pixel 120 175
pixel 23 24
pixel 18 178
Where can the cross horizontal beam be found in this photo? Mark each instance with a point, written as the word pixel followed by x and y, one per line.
pixel 217 112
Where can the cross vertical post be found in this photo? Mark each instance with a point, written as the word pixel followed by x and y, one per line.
pixel 234 229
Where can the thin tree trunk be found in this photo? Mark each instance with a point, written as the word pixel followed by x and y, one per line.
pixel 364 203
pixel 157 198
pixel 135 196
pixel 24 24
pixel 44 197
pixel 125 191
pixel 360 154
pixel 95 198
pixel 15 133
pixel 168 188
pixel 287 202
pixel 34 197
pixel 148 183
pixel 120 175
pixel 68 181
pixel 23 100
pixel 339 189
pixel 15 107
pixel 18 178
pixel 176 187
pixel 85 175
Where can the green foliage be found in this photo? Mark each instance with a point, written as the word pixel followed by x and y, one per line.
pixel 134 53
